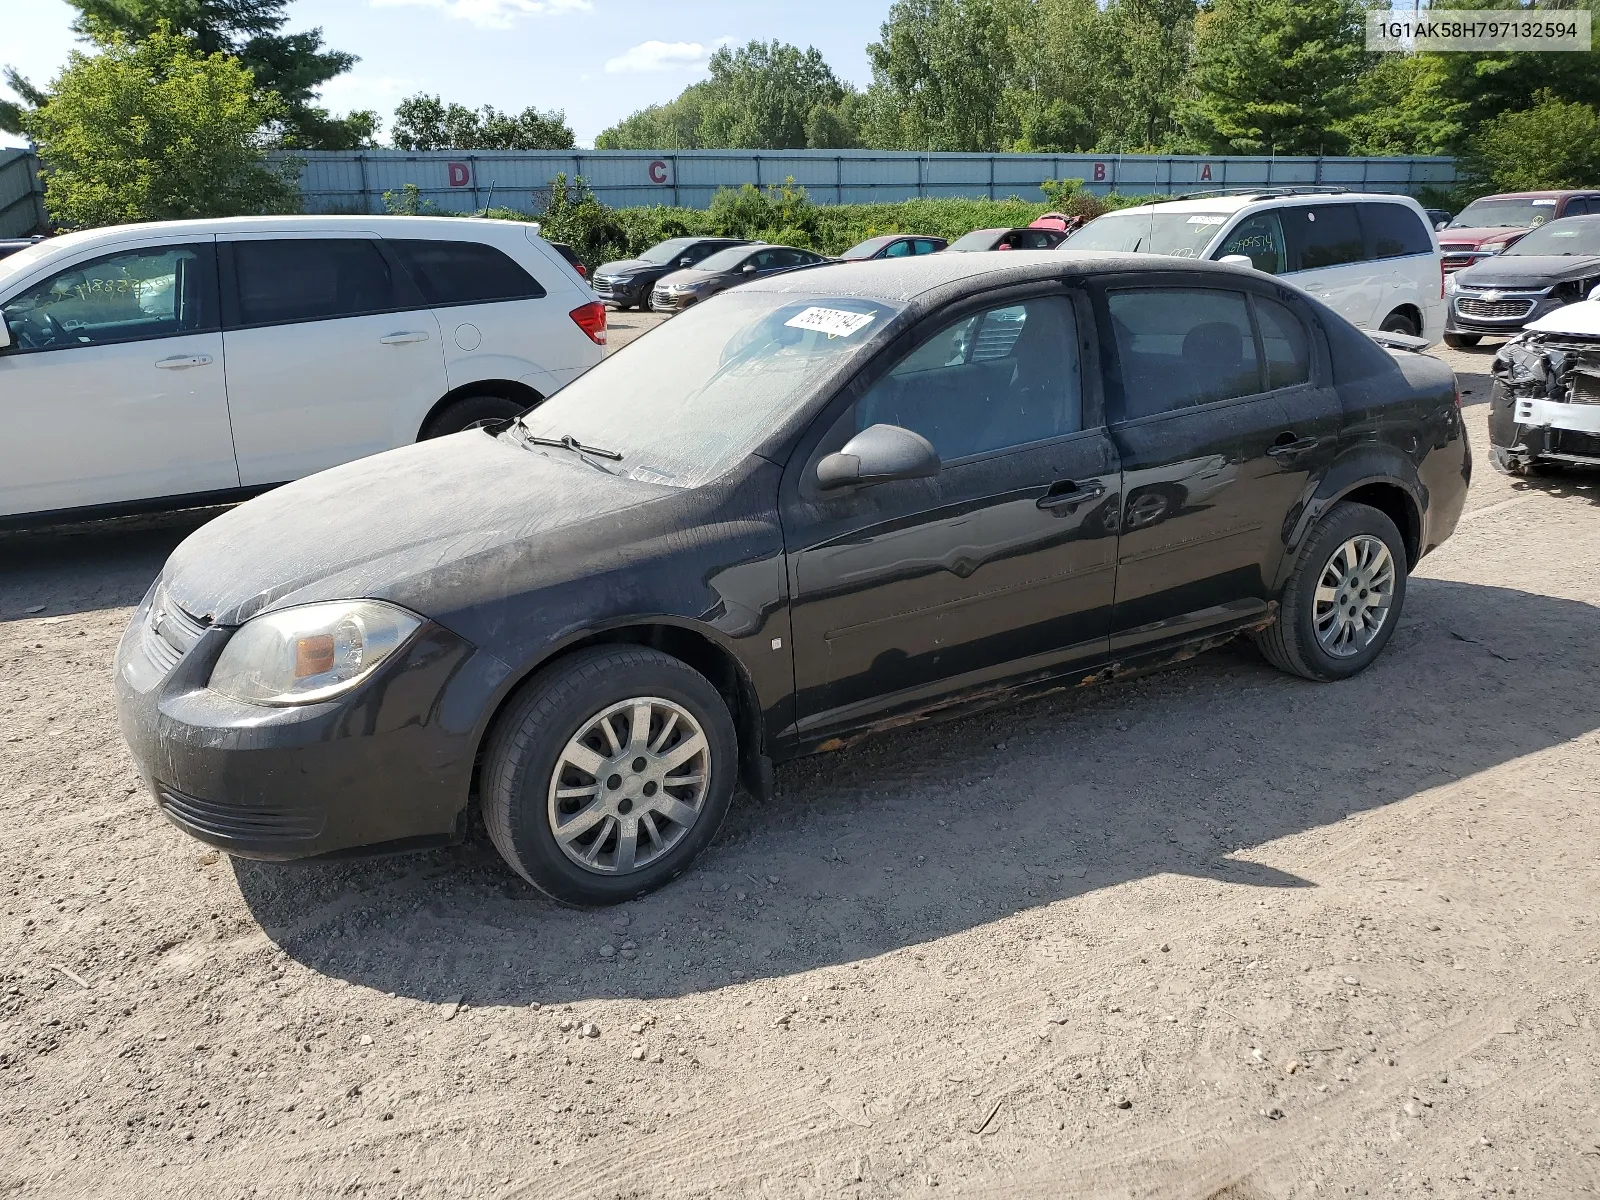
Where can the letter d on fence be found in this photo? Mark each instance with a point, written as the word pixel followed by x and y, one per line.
pixel 460 174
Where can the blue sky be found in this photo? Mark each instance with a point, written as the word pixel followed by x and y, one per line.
pixel 597 59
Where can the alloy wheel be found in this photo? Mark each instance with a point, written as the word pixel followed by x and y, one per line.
pixel 629 785
pixel 1353 597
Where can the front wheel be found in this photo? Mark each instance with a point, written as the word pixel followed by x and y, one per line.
pixel 1460 341
pixel 1343 598
pixel 609 774
pixel 469 412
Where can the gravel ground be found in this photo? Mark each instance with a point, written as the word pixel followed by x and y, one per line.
pixel 1212 933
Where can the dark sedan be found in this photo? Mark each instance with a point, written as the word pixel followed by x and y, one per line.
pixel 1010 239
pixel 1551 267
pixel 821 504
pixel 893 245
pixel 725 269
pixel 626 283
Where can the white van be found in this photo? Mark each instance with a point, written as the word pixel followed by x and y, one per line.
pixel 188 362
pixel 1373 259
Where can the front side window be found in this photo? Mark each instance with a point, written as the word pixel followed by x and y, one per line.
pixel 465 273
pixel 1323 235
pixel 1393 231
pixel 898 250
pixel 134 295
pixel 1179 347
pixel 996 379
pixel 1261 238
pixel 283 280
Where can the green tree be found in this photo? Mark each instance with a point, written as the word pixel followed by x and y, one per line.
pixel 1275 76
pixel 674 125
pixel 1402 106
pixel 1554 144
pixel 424 122
pixel 29 98
pixel 294 65
pixel 1151 42
pixel 156 130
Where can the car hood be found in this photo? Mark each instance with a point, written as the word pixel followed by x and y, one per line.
pixel 628 266
pixel 1478 234
pixel 691 275
pixel 430 527
pixel 1529 270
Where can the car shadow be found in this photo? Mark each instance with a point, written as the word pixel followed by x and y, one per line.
pixel 932 830
pixel 1575 483
pixel 96 565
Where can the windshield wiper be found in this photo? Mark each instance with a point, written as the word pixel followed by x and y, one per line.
pixel 567 442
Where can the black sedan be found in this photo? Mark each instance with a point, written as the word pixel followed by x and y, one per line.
pixel 821 504
pixel 725 269
pixel 626 283
pixel 1551 267
pixel 894 245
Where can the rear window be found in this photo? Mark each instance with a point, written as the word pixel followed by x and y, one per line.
pixel 465 272
pixel 1393 231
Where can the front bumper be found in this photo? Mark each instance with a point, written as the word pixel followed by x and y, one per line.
pixel 613 290
pixel 1527 429
pixel 386 766
pixel 663 301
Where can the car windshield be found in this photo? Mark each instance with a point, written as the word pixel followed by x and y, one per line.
pixel 664 252
pixel 16 264
pixel 1504 214
pixel 724 260
pixel 696 396
pixel 1180 234
pixel 867 248
pixel 1574 235
pixel 978 239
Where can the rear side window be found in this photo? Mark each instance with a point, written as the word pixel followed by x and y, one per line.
pixel 1323 235
pixel 1284 344
pixel 924 246
pixel 465 272
pixel 311 279
pixel 1179 347
pixel 1393 231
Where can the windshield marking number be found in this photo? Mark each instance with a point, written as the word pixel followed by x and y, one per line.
pixel 835 322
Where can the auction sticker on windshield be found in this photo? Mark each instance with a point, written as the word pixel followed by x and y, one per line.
pixel 835 322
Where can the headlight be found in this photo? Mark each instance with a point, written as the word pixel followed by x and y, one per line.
pixel 1492 247
pixel 301 655
pixel 1450 285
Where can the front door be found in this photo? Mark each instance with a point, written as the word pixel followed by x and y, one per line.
pixel 112 389
pixel 1203 439
pixel 1001 565
pixel 331 353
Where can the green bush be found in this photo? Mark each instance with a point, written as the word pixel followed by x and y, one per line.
pixel 1552 145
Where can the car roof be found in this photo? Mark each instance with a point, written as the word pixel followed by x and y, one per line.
pixel 1550 195
pixel 393 226
pixel 1263 198
pixel 903 280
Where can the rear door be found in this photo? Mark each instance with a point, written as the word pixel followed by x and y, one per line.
pixel 1202 436
pixel 331 354
pixel 113 387
pixel 1000 566
pixel 1328 259
pixel 1400 246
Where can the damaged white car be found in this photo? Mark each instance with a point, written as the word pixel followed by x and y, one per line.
pixel 1544 411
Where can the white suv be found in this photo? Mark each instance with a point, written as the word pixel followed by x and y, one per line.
pixel 1373 259
pixel 181 362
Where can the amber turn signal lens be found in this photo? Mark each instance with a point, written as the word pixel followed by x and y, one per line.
pixel 313 655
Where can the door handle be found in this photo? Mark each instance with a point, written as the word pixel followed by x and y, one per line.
pixel 180 362
pixel 400 339
pixel 1067 494
pixel 1287 445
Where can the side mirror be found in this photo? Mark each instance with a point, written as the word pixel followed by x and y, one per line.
pixel 749 268
pixel 879 454
pixel 1238 260
pixel 686 261
pixel 1437 225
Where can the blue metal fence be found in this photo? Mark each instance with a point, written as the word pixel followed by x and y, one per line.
pixel 464 181
pixel 21 195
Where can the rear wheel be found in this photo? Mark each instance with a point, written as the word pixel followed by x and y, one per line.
pixel 468 413
pixel 609 774
pixel 1343 598
pixel 1399 322
pixel 1460 341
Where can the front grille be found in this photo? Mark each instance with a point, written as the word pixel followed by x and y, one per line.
pixel 169 632
pixel 215 821
pixel 602 287
pixel 1573 441
pixel 1494 310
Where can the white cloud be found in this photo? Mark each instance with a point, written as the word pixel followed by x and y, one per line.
pixel 490 14
pixel 663 56
pixel 358 90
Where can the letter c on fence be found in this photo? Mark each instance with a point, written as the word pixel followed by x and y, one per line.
pixel 658 171
pixel 1099 172
pixel 460 174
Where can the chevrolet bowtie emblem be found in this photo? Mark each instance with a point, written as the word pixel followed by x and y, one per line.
pixel 1491 295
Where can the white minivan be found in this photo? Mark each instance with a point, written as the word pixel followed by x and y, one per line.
pixel 188 362
pixel 1373 259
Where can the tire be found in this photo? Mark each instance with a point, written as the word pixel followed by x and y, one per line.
pixel 1460 341
pixel 527 761
pixel 468 412
pixel 1398 322
pixel 1291 643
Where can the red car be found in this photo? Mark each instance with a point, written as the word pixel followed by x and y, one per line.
pixel 1489 224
